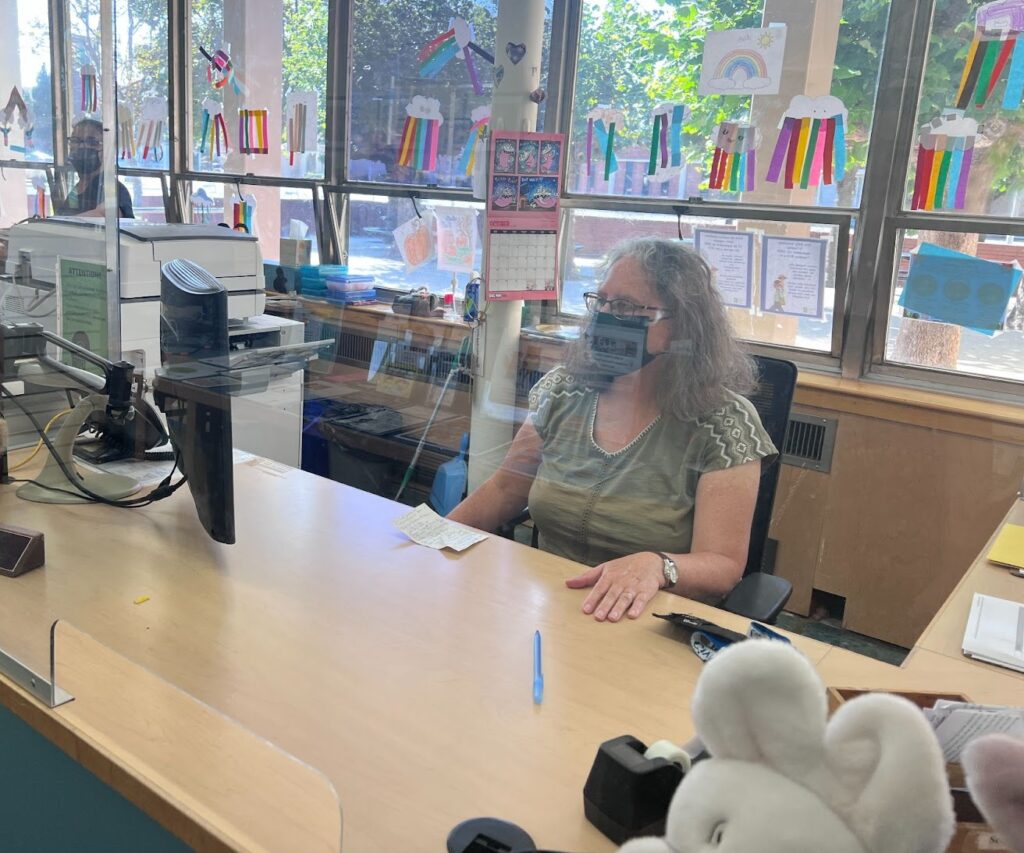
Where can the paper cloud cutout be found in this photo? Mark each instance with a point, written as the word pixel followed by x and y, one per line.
pixel 425 108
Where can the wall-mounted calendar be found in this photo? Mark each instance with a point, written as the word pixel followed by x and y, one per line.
pixel 522 215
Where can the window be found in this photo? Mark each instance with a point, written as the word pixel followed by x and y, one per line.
pixel 373 249
pixel 261 109
pixel 636 55
pixel 388 38
pixel 778 280
pixel 28 70
pixel 23 193
pixel 142 60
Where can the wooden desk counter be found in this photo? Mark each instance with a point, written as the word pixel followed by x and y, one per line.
pixel 944 634
pixel 402 673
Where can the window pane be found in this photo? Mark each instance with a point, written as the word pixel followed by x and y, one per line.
pixel 278 59
pixel 987 126
pixel 387 39
pixel 23 193
pixel 374 251
pixel 636 56
pixel 796 311
pixel 934 288
pixel 25 64
pixel 142 84
pixel 147 197
pixel 275 208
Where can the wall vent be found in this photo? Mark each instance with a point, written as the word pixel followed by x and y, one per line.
pixel 809 442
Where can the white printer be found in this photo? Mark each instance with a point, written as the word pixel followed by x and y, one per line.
pixel 231 256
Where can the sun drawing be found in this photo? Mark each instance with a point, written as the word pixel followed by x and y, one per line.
pixel 765 40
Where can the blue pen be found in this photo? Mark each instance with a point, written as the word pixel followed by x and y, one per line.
pixel 538 673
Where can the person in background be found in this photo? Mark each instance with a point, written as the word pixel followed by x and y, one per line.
pixel 85 153
pixel 640 456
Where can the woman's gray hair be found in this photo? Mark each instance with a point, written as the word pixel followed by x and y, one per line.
pixel 704 362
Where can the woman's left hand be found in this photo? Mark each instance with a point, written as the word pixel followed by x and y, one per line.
pixel 622 586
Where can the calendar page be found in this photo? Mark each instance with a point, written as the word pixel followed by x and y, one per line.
pixel 522 215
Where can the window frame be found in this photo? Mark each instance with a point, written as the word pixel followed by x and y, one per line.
pixel 864 267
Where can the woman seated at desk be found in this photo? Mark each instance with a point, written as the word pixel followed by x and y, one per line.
pixel 85 153
pixel 640 457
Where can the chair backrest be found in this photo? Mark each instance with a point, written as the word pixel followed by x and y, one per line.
pixel 772 399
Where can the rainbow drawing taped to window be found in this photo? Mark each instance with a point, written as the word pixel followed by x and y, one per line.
pixel 90 89
pixel 418 148
pixel 213 138
pixel 602 122
pixel 252 132
pixel 944 155
pixel 301 115
pixel 439 52
pixel 126 132
pixel 996 43
pixel 480 117
pixel 243 209
pixel 734 166
pixel 149 141
pixel 16 106
pixel 811 149
pixel 666 158
pixel 743 62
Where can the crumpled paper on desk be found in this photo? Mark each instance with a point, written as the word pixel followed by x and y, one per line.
pixel 426 527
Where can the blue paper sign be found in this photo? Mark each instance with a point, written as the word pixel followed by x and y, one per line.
pixel 952 287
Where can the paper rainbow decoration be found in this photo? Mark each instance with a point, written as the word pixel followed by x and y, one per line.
pixel 741 62
pixel 213 137
pixel 734 167
pixel 16 104
pixel 996 45
pixel 252 132
pixel 90 89
pixel 467 160
pixel 241 213
pixel 666 137
pixel 126 132
pixel 601 123
pixel 811 148
pixel 944 156
pixel 418 147
pixel 438 52
pixel 220 70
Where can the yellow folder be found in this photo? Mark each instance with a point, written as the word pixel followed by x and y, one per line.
pixel 1008 549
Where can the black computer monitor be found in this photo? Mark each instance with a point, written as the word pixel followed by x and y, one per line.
pixel 191 389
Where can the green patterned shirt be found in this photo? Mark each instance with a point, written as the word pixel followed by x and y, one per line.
pixel 592 506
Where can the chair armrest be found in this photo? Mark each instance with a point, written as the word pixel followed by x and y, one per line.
pixel 759 596
pixel 507 529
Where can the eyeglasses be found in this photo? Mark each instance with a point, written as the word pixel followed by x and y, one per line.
pixel 77 142
pixel 623 309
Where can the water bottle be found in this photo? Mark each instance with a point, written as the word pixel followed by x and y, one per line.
pixel 471 304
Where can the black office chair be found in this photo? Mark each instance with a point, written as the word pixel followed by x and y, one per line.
pixel 760 594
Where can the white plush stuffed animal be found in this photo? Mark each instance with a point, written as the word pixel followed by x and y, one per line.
pixel 782 778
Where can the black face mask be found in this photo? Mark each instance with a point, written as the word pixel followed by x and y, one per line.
pixel 617 347
pixel 86 161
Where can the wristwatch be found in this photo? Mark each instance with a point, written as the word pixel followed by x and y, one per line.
pixel 669 569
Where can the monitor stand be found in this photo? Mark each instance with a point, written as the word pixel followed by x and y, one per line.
pixel 110 486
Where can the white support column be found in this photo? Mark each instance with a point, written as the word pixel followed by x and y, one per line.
pixel 13 195
pixel 520 23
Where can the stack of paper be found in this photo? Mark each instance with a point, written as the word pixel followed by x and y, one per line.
pixel 995 631
pixel 1008 549
pixel 958 723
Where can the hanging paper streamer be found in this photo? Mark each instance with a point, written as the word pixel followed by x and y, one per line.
pixel 666 157
pixel 458 38
pixel 149 142
pixel 16 107
pixel 944 155
pixel 220 71
pixel 301 116
pixel 126 132
pixel 252 132
pixel 90 89
pixel 418 147
pixel 213 139
pixel 811 148
pixel 480 117
pixel 602 122
pixel 734 167
pixel 243 210
pixel 39 185
pixel 996 45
